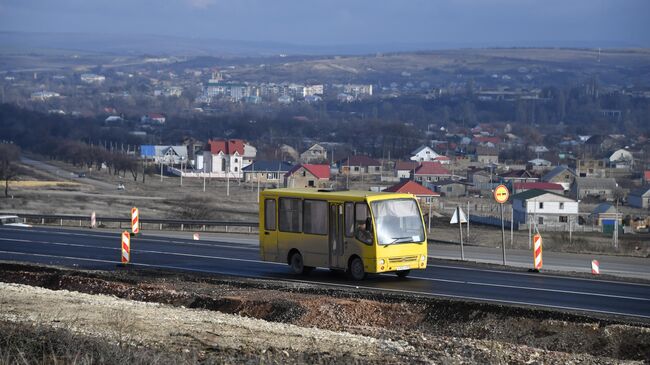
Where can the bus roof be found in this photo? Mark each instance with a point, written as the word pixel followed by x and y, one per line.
pixel 356 195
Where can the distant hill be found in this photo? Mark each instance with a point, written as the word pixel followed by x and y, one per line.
pixel 26 42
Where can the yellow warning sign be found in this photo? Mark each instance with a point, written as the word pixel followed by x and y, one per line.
pixel 501 194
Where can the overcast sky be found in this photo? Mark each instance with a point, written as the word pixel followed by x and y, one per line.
pixel 344 22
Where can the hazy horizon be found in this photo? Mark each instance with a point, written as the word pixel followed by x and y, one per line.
pixel 336 23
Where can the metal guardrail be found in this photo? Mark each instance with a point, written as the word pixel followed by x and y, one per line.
pixel 151 223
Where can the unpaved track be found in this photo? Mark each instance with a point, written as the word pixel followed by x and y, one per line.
pixel 142 323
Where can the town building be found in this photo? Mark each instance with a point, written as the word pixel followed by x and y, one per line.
pixel 227 158
pixel 308 176
pixel 266 172
pixel 432 172
pixel 359 165
pixel 602 188
pixel 639 198
pixel 314 154
pixel 405 169
pixel 562 175
pixel 424 153
pixel 168 155
pixel 544 209
pixel 423 194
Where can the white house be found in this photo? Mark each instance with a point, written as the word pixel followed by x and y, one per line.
pixel 227 158
pixel 424 153
pixel 621 159
pixel 545 209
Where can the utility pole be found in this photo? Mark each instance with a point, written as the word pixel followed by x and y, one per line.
pixel 468 220
pixel 460 231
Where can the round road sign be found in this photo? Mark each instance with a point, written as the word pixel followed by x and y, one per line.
pixel 501 194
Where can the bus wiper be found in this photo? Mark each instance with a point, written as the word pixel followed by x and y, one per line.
pixel 396 239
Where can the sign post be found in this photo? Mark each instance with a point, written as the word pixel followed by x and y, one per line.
pixel 537 252
pixel 501 195
pixel 135 221
pixel 126 247
pixel 459 217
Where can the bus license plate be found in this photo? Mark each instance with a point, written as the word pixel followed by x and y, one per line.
pixel 403 267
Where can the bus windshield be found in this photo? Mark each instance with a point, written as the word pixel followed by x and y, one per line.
pixel 397 221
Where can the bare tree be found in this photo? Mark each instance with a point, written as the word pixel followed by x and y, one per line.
pixel 9 155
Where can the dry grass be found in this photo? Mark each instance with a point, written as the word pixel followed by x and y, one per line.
pixel 39 184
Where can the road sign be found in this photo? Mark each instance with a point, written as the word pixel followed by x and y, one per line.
pixel 537 251
pixel 595 267
pixel 501 194
pixel 455 218
pixel 126 247
pixel 135 220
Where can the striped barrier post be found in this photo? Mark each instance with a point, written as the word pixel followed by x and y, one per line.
pixel 135 220
pixel 93 220
pixel 126 247
pixel 595 267
pixel 196 237
pixel 537 251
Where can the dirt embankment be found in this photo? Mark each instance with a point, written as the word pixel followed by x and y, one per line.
pixel 198 318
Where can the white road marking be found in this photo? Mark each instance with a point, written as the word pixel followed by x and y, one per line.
pixel 352 286
pixel 135 251
pixel 546 275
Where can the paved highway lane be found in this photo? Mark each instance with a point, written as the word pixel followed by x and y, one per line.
pixel 100 250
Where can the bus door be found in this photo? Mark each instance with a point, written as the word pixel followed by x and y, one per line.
pixel 270 233
pixel 336 249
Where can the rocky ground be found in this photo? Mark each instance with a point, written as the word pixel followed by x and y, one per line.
pixel 54 315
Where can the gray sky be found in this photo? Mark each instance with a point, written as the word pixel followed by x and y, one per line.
pixel 340 22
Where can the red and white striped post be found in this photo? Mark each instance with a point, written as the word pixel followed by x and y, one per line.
pixel 93 220
pixel 537 252
pixel 126 247
pixel 135 220
pixel 595 267
pixel 196 237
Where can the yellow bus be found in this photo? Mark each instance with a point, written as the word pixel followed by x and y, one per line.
pixel 356 231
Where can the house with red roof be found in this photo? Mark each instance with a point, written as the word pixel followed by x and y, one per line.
pixel 153 118
pixel 432 171
pixel 227 157
pixel 359 165
pixel 404 169
pixel 423 194
pixel 646 177
pixel 308 176
pixel 520 187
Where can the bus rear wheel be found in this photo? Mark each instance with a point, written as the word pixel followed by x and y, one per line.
pixel 298 266
pixel 355 269
pixel 403 273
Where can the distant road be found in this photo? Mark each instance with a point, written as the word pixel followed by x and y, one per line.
pixel 65 174
pixel 224 255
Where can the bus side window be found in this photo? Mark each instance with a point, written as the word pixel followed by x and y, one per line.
pixel 314 219
pixel 362 223
pixel 349 219
pixel 269 214
pixel 290 215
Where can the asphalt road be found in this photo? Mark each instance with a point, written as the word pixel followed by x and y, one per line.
pixel 101 250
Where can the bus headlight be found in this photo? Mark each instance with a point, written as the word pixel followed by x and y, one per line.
pixel 422 258
pixel 381 261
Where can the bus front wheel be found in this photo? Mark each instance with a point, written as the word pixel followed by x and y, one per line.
pixel 297 264
pixel 355 269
